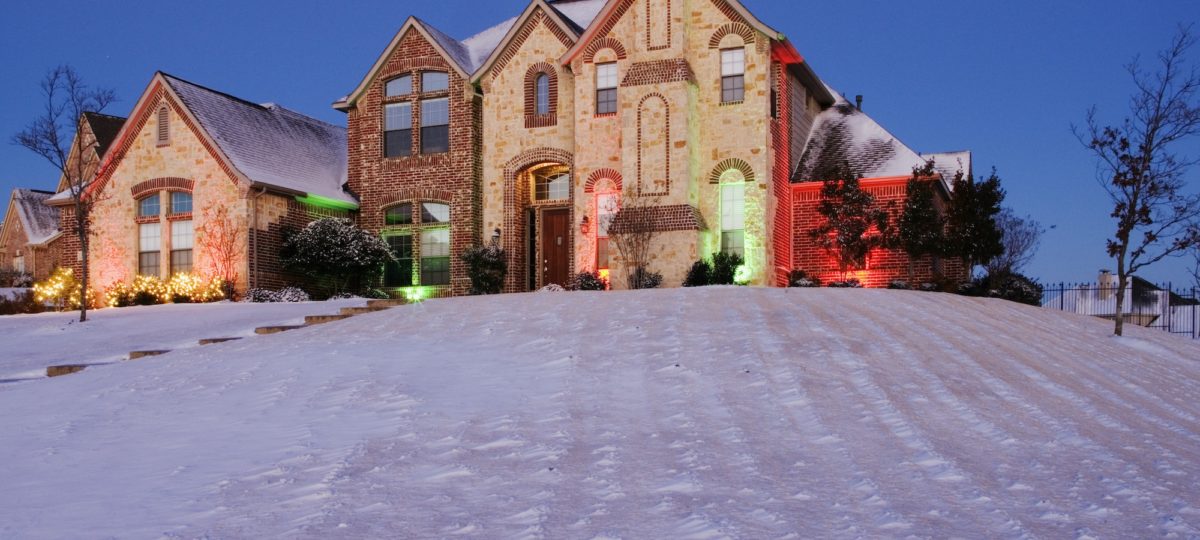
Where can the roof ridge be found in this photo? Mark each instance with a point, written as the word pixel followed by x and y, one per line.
pixel 303 116
pixel 213 91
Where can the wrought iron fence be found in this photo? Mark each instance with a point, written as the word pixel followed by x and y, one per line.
pixel 1150 305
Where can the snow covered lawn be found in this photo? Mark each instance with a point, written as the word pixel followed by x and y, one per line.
pixel 32 342
pixel 688 413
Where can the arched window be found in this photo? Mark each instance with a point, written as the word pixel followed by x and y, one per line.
pixel 418 233
pixel 149 206
pixel 542 97
pixel 181 202
pixel 552 183
pixel 400 86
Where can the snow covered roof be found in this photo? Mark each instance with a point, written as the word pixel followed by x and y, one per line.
pixel 949 163
pixel 481 45
pixel 269 144
pixel 457 51
pixel 39 219
pixel 579 12
pixel 843 133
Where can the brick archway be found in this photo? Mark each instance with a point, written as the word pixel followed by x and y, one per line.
pixel 514 235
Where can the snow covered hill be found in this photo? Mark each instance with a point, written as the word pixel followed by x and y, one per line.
pixel 711 413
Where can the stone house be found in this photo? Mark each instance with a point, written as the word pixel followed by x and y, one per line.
pixel 200 181
pixel 695 111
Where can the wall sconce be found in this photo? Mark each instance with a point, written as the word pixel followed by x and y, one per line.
pixel 585 225
pixel 496 237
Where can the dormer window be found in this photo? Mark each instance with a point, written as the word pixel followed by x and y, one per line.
pixel 400 86
pixel 164 126
pixel 733 75
pixel 434 81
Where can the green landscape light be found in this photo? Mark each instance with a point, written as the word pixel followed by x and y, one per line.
pixel 742 275
pixel 326 202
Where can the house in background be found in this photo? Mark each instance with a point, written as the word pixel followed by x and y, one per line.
pixel 1145 304
pixel 190 160
pixel 28 233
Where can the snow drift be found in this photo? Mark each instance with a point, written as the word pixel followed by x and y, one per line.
pixel 692 413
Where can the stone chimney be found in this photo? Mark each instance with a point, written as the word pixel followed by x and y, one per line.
pixel 1108 284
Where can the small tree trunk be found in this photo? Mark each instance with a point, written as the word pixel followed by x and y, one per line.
pixel 81 221
pixel 1122 283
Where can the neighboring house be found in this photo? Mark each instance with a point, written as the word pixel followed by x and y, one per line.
pixel 1145 304
pixel 189 159
pixel 541 127
pixel 28 234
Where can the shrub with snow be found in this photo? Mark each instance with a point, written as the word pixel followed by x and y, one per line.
pixel 10 278
pixel 486 267
pixel 801 279
pixel 588 281
pixel 846 284
pixel 898 284
pixel 286 294
pixel 18 302
pixel 336 253
pixel 645 279
pixel 553 287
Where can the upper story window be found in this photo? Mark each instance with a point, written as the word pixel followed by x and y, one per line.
pixel 401 214
pixel 552 183
pixel 434 81
pixel 400 86
pixel 733 75
pixel 435 213
pixel 164 126
pixel 181 202
pixel 397 129
pixel 435 126
pixel 542 94
pixel 606 88
pixel 149 206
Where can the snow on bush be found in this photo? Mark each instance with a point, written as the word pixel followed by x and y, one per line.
pixel 801 279
pixel 588 281
pixel 486 267
pixel 286 294
pixel 336 253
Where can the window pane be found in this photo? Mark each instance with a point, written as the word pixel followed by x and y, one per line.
pixel 552 183
pixel 181 203
pixel 182 236
pixel 181 261
pixel 435 243
pixel 399 273
pixel 606 75
pixel 435 257
pixel 435 140
pixel 733 242
pixel 150 237
pixel 543 94
pixel 603 261
pixel 733 89
pixel 433 81
pixel 733 207
pixel 397 143
pixel 148 263
pixel 435 112
pixel 733 62
pixel 397 116
pixel 400 86
pixel 400 214
pixel 435 213
pixel 149 206
pixel 606 101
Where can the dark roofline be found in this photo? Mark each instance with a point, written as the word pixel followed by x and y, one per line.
pixel 42 191
pixel 111 116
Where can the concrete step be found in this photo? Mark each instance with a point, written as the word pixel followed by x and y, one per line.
pixel 66 369
pixel 360 310
pixel 275 329
pixel 134 355
pixel 212 341
pixel 313 320
pixel 388 303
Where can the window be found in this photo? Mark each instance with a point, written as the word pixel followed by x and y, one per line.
pixel 182 240
pixel 435 126
pixel 733 75
pixel 606 88
pixel 434 81
pixel 607 205
pixel 397 130
pixel 733 218
pixel 399 273
pixel 542 94
pixel 435 257
pixel 400 86
pixel 552 183
pixel 400 214
pixel 420 243
pixel 148 207
pixel 164 126
pixel 19 263
pixel 181 203
pixel 149 244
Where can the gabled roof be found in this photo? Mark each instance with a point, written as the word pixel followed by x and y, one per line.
pixel 949 163
pixel 39 219
pixel 581 8
pixel 580 13
pixel 843 133
pixel 268 144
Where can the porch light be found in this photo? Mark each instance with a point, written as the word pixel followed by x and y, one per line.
pixel 585 226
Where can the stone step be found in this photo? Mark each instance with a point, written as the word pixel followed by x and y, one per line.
pixel 66 369
pixel 212 341
pixel 275 329
pixel 361 310
pixel 313 320
pixel 134 355
pixel 387 303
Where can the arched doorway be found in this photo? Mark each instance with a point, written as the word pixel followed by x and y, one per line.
pixel 549 214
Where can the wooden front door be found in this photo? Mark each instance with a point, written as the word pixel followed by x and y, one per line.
pixel 556 248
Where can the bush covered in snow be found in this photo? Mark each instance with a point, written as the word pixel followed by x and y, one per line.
pixel 800 278
pixel 898 284
pixel 15 279
pixel 336 253
pixel 286 294
pixel 18 302
pixel 645 279
pixel 487 267
pixel 588 281
pixel 1007 285
pixel 553 287
pixel 851 283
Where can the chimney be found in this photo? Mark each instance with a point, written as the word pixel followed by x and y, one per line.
pixel 1108 285
pixel 858 102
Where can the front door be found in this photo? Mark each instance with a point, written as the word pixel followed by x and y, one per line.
pixel 556 251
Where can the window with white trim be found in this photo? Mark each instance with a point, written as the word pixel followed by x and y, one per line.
pixel 149 249
pixel 733 218
pixel 733 75
pixel 606 88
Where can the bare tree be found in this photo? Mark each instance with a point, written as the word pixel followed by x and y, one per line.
pixel 50 135
pixel 221 237
pixel 1139 165
pixel 1196 266
pixel 1021 238
pixel 633 231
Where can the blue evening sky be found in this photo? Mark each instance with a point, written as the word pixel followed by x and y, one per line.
pixel 1003 79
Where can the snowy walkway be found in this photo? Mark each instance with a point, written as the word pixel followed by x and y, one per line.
pixel 715 413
